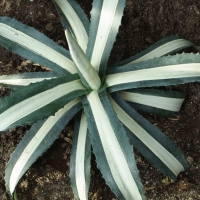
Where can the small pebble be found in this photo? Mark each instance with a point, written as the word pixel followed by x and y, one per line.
pixel 49 27
pixel 68 140
pixel 182 185
pixel 190 159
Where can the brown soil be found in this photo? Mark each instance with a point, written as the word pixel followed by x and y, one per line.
pixel 144 23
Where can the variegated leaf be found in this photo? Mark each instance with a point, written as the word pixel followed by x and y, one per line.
pixel 155 146
pixel 114 154
pixel 24 79
pixel 80 159
pixel 33 45
pixel 88 75
pixel 75 19
pixel 38 101
pixel 36 141
pixel 105 20
pixel 163 47
pixel 164 71
pixel 154 101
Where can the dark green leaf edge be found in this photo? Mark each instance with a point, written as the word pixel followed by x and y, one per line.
pixel 45 111
pixel 48 140
pixel 157 83
pixel 111 39
pixel 83 80
pixel 25 53
pixel 157 62
pixel 87 158
pixel 79 11
pixel 100 155
pixel 122 139
pixel 159 136
pixel 158 92
pixel 95 17
pixel 49 109
pixel 33 89
pixel 102 163
pixel 183 58
pixel 30 75
pixel 154 110
pixel 153 47
pixel 75 48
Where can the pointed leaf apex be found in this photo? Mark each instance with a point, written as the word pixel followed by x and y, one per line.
pixel 88 74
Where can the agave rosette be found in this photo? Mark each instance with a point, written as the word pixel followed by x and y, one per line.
pixel 107 96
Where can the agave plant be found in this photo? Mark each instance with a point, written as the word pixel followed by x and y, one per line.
pixel 105 96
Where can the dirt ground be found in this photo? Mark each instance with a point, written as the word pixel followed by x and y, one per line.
pixel 144 23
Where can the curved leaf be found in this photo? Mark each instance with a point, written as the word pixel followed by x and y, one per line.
pixel 155 146
pixel 153 101
pixel 38 101
pixel 75 19
pixel 105 20
pixel 87 73
pixel 164 71
pixel 24 79
pixel 163 47
pixel 114 154
pixel 80 159
pixel 36 141
pixel 33 45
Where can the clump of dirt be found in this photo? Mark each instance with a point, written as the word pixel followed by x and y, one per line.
pixel 144 23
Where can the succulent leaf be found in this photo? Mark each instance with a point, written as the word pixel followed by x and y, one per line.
pixel 88 75
pixel 33 45
pixel 105 20
pixel 114 154
pixel 80 80
pixel 24 79
pixel 80 159
pixel 163 47
pixel 155 146
pixel 164 71
pixel 36 141
pixel 38 101
pixel 154 101
pixel 75 19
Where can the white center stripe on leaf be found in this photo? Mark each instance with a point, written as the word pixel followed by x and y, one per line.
pixel 164 49
pixel 75 23
pixel 157 73
pixel 105 25
pixel 80 159
pixel 24 81
pixel 35 142
pixel 37 47
pixel 82 63
pixel 36 102
pixel 166 103
pixel 165 156
pixel 113 151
